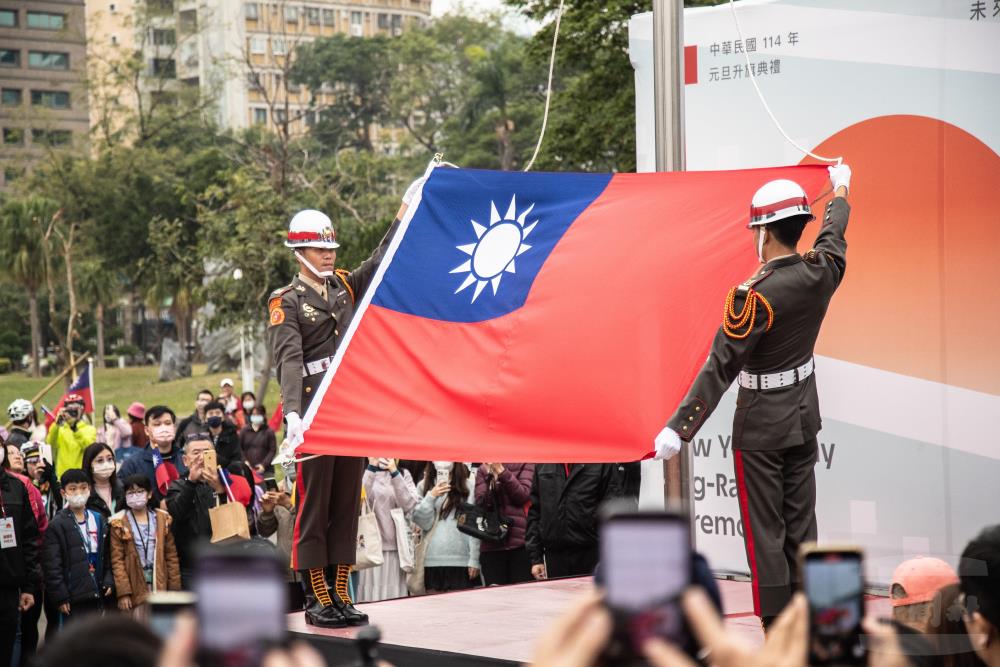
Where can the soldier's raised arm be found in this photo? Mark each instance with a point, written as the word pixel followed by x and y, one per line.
pixel 831 244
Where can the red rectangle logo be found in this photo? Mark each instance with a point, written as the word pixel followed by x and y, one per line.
pixel 690 64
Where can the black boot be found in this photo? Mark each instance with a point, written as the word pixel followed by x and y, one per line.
pixel 320 608
pixel 338 574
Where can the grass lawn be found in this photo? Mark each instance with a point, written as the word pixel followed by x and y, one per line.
pixel 121 386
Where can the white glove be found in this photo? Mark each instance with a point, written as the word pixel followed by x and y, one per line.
pixel 411 191
pixel 667 444
pixel 293 429
pixel 840 175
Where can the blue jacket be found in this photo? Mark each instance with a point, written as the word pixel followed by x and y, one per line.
pixel 142 464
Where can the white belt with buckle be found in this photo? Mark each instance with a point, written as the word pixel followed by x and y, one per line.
pixel 318 366
pixel 764 381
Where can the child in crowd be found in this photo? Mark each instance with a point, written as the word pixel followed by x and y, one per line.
pixel 75 555
pixel 143 555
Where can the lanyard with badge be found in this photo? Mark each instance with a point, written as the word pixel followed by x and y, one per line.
pixel 8 538
pixel 146 558
pixel 88 531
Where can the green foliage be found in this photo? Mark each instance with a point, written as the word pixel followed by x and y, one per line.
pixel 5 365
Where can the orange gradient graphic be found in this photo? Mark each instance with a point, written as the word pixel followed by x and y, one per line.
pixel 920 297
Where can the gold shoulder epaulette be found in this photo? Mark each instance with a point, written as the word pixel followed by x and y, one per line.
pixel 343 274
pixel 739 325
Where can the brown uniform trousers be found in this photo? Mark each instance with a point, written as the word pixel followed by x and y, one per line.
pixel 304 330
pixel 774 431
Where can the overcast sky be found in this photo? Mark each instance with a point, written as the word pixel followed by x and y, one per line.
pixel 514 21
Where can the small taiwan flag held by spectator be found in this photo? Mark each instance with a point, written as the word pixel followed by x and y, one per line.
pixel 165 471
pixel 82 388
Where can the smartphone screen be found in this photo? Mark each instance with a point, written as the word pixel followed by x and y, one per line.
pixel 164 606
pixel 646 565
pixel 834 585
pixel 241 608
pixel 270 484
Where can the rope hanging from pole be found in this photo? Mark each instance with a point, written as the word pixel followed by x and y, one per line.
pixel 548 87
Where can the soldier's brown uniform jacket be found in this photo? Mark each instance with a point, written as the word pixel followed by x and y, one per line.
pixel 796 290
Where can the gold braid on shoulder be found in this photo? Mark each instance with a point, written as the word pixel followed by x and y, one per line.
pixel 342 274
pixel 739 325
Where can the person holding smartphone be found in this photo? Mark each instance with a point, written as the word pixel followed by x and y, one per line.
pixel 452 559
pixel 70 434
pixel 766 342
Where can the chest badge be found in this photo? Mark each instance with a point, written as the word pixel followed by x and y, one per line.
pixel 309 312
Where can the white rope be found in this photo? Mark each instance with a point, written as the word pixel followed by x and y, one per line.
pixel 753 79
pixel 548 89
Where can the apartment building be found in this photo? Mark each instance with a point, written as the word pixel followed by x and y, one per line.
pixel 43 103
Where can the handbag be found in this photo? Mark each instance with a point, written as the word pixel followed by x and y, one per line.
pixel 369 550
pixel 404 545
pixel 483 523
pixel 229 521
pixel 415 579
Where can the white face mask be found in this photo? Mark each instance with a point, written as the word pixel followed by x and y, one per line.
pixel 136 501
pixel 257 419
pixel 77 501
pixel 103 470
pixel 163 433
pixel 248 405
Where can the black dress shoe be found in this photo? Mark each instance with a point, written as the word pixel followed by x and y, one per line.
pixel 351 613
pixel 329 616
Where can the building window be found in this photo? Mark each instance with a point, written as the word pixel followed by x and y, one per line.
pixel 46 20
pixel 53 99
pixel 13 136
pixel 312 15
pixel 355 18
pixel 188 21
pixel 164 37
pixel 11 97
pixel 280 116
pixel 278 46
pixel 291 14
pixel 114 40
pixel 294 87
pixel 8 18
pixel 48 60
pixel 161 6
pixel 51 137
pixel 112 8
pixel 250 10
pixel 258 45
pixel 253 80
pixel 10 58
pixel 383 21
pixel 260 116
pixel 165 68
pixel 328 17
pixel 164 97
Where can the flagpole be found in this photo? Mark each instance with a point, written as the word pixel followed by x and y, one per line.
pixel 54 381
pixel 93 392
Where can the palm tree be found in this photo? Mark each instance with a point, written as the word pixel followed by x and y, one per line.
pixel 97 288
pixel 22 253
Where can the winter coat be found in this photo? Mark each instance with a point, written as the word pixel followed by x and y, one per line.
pixel 66 563
pixel 142 464
pixel 19 565
pixel 514 490
pixel 96 502
pixel 68 443
pixel 127 566
pixel 565 501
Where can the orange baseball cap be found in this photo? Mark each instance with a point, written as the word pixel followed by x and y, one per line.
pixel 917 580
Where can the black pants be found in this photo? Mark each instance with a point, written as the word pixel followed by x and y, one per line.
pixel 29 630
pixel 511 566
pixel 777 494
pixel 577 562
pixel 326 524
pixel 10 599
pixel 82 609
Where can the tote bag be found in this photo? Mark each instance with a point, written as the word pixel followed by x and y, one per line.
pixel 404 543
pixel 369 549
pixel 415 579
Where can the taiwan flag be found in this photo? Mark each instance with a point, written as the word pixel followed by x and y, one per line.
pixel 165 471
pixel 83 387
pixel 542 317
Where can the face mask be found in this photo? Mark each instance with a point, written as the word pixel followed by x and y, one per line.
pixel 136 501
pixel 103 470
pixel 256 419
pixel 163 433
pixel 77 501
pixel 248 405
pixel 214 421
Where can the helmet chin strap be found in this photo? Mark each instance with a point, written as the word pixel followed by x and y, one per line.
pixel 760 245
pixel 319 274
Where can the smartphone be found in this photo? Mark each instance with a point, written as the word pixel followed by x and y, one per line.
pixel 833 580
pixel 242 599
pixel 45 451
pixel 646 565
pixel 270 483
pixel 209 459
pixel 164 606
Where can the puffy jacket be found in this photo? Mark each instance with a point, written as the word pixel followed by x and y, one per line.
pixel 19 565
pixel 127 567
pixel 68 443
pixel 565 500
pixel 227 445
pixel 66 562
pixel 513 488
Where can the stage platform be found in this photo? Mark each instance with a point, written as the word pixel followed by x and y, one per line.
pixel 492 626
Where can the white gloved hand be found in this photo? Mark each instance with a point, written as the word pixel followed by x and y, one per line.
pixel 667 444
pixel 293 429
pixel 411 191
pixel 840 175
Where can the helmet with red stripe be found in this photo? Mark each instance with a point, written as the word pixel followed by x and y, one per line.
pixel 74 399
pixel 778 200
pixel 311 229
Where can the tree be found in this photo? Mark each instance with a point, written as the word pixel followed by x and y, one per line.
pixel 96 291
pixel 22 247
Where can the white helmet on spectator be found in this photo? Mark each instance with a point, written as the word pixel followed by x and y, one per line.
pixel 777 200
pixel 20 410
pixel 311 229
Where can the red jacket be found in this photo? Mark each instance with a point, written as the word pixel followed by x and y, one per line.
pixel 37 506
pixel 514 490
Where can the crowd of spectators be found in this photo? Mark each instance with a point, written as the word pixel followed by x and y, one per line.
pixel 96 519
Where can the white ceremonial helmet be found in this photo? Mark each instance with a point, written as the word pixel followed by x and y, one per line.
pixel 19 409
pixel 778 200
pixel 310 228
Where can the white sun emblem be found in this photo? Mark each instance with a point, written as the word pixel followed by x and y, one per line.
pixel 494 253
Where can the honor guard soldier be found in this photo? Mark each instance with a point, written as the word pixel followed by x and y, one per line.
pixel 306 321
pixel 769 329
